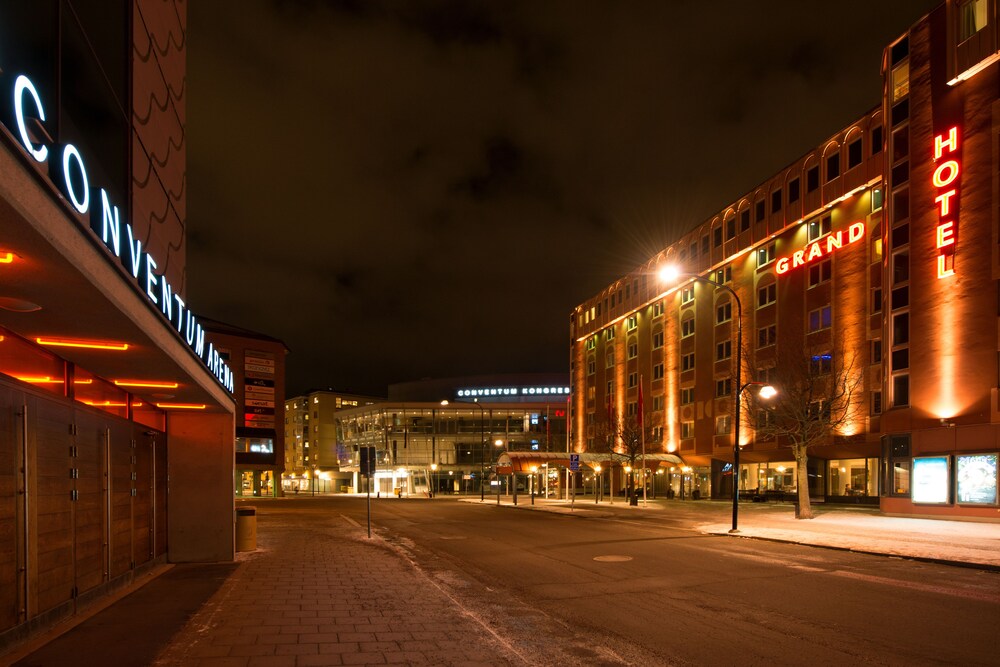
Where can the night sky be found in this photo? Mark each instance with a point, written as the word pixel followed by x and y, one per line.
pixel 400 190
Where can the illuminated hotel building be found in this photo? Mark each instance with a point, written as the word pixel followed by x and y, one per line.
pixel 878 246
pixel 111 391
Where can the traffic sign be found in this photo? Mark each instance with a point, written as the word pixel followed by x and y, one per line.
pixel 574 462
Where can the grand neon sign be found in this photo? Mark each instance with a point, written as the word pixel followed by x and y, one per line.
pixel 945 175
pixel 68 172
pixel 821 248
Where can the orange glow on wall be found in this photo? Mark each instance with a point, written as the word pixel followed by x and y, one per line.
pixel 181 406
pixel 945 175
pixel 105 404
pixel 6 258
pixel 88 344
pixel 821 248
pixel 146 384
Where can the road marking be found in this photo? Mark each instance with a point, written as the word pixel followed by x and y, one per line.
pixel 968 593
pixel 612 559
pixel 350 520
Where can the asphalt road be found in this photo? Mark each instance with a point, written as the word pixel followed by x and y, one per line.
pixel 644 588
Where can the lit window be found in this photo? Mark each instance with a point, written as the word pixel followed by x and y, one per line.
pixel 900 81
pixel 972 18
pixel 820 364
pixel 765 255
pixel 818 228
pixel 592 342
pixel 722 425
pixel 687 295
pixel 723 275
pixel 632 322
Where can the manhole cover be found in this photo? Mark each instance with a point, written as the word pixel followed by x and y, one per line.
pixel 612 559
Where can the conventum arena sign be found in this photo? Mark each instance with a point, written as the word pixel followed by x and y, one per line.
pixel 68 171
pixel 822 247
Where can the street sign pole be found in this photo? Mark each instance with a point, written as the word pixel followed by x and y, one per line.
pixel 368 472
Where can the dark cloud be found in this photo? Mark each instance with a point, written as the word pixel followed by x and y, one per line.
pixel 402 189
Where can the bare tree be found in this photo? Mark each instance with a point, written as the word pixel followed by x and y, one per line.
pixel 622 437
pixel 818 398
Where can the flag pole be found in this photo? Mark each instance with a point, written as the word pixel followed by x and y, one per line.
pixel 642 438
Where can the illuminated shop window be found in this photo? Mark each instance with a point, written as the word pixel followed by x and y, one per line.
pixel 972 17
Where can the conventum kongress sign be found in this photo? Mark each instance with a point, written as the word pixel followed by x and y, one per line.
pixel 68 173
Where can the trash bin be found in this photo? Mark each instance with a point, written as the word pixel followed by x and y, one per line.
pixel 246 528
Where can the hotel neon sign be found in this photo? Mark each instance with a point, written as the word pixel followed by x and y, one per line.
pixel 821 248
pixel 945 175
pixel 69 173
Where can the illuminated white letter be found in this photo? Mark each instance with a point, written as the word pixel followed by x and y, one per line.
pixel 166 299
pixel 150 278
pixel 70 154
pixel 782 265
pixel 110 225
pixel 855 232
pixel 180 312
pixel 22 84
pixel 199 346
pixel 135 252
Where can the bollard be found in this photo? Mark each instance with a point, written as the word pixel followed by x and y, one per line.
pixel 246 528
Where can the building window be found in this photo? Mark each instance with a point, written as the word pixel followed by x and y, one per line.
pixel 876 351
pixel 723 387
pixel 658 309
pixel 723 350
pixel 687 295
pixel 610 334
pixel 900 268
pixel 854 154
pixel 723 275
pixel 609 361
pixel 590 393
pixel 592 342
pixel 633 380
pixel 704 244
pixel 687 362
pixel 767 336
pixel 730 228
pixel 687 327
pixel 812 178
pixel 896 454
pixel 759 213
pixel 776 201
pixel 745 219
pixel 820 364
pixel 723 313
pixel 765 254
pixel 722 425
pixel 900 328
pixel 632 322
pixel 900 359
pixel 971 18
pixel 657 340
pixel 610 389
pixel 793 190
pixel 687 395
pixel 877 200
pixel 632 409
pixel 877 140
pixel 900 390
pixel 717 237
pixel 591 367
pixel 658 372
pixel 900 81
pixel 818 228
pixel 832 167
pixel 767 295
pixel 876 402
pixel 633 350
pixel 687 430
pixel 821 318
pixel 820 273
pixel 657 403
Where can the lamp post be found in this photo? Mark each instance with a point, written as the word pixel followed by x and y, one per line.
pixel 534 471
pixel 434 468
pixel 498 443
pixel 670 274
pixel 598 483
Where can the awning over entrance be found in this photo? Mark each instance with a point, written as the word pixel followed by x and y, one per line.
pixel 524 461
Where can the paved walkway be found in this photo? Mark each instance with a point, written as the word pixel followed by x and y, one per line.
pixel 318 592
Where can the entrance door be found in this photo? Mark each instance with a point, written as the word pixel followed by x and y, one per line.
pixel 142 498
pixel 90 500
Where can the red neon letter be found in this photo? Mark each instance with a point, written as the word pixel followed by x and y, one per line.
pixel 940 179
pixel 946 266
pixel 944 202
pixel 782 265
pixel 797 258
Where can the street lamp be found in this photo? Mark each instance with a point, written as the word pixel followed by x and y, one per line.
pixel 598 483
pixel 670 274
pixel 534 471
pixel 434 468
pixel 498 443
